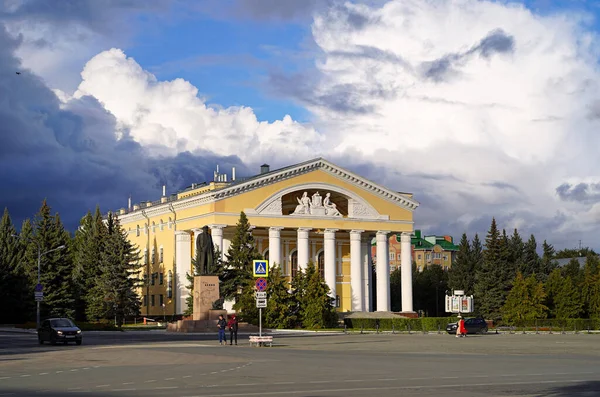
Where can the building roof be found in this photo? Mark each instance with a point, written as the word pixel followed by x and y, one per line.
pixel 565 261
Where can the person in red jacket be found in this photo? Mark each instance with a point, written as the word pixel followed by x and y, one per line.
pixel 232 324
pixel 461 330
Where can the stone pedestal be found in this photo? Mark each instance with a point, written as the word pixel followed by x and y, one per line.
pixel 206 292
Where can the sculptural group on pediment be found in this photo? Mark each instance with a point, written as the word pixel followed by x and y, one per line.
pixel 316 205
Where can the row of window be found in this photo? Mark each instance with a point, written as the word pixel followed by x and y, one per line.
pixel 436 255
pixel 153 257
pixel 161 225
pixel 161 300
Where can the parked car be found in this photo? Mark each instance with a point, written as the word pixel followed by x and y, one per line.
pixel 56 330
pixel 473 326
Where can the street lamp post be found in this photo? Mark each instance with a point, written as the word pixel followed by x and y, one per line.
pixel 39 271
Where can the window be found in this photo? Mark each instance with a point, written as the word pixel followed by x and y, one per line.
pixel 419 256
pixel 160 279
pixel 437 255
pixel 161 299
pixel 152 302
pixel 428 256
pixel 137 230
pixel 170 222
pixel 392 268
pixel 162 225
pixel 145 256
pixel 145 279
pixel 153 227
pixel 161 255
pixel 153 280
pixel 321 262
pixel 145 300
pixel 392 256
pixel 294 263
pixel 153 256
pixel 337 301
pixel 446 257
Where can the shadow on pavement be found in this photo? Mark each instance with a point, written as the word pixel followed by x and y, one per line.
pixel 590 388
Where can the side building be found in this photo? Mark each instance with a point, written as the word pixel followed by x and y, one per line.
pixel 425 251
pixel 313 211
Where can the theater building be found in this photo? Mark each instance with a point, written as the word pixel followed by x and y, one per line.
pixel 312 211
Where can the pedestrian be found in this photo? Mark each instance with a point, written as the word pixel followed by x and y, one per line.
pixel 221 324
pixel 233 329
pixel 460 329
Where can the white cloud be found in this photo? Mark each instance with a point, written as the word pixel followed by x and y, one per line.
pixel 506 102
pixel 169 117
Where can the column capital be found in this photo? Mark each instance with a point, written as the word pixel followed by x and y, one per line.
pixel 405 237
pixel 182 236
pixel 276 228
pixel 217 226
pixel 304 229
pixel 329 234
pixel 356 235
pixel 331 230
pixel 383 232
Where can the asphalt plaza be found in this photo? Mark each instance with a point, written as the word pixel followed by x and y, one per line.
pixel 304 364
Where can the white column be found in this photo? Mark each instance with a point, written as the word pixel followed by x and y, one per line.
pixel 183 260
pixel 302 245
pixel 356 271
pixel 329 256
pixel 216 232
pixel 275 247
pixel 383 272
pixel 367 263
pixel 406 273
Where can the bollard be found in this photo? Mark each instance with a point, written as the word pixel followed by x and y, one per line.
pixel 376 328
pixel 439 329
pixel 393 330
pixel 409 328
pixel 362 327
pixel 563 330
pixel 575 329
pixel 345 329
pixel 550 329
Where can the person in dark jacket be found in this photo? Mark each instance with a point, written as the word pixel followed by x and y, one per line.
pixel 232 324
pixel 221 324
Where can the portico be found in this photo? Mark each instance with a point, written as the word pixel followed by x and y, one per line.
pixel 310 212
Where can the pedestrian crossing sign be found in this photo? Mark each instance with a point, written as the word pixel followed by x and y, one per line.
pixel 261 268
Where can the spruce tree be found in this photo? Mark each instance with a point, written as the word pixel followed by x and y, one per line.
pixel 88 245
pixel 590 286
pixel 573 270
pixel 14 284
pixel 238 267
pixel 317 306
pixel 525 302
pixel 548 262
pixel 476 256
pixel 568 303
pixel 56 264
pixel 531 263
pixel 517 248
pixel 462 276
pixel 119 278
pixel 553 287
pixel 281 304
pixel 489 285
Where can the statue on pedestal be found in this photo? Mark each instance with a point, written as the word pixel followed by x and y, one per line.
pixel 206 248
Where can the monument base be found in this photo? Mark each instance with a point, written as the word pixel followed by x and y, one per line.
pixel 409 314
pixel 206 292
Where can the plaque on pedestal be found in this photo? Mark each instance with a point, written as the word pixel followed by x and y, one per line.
pixel 206 292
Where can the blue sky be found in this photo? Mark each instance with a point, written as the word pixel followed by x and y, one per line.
pixel 480 108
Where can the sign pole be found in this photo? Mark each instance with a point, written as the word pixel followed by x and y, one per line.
pixel 260 321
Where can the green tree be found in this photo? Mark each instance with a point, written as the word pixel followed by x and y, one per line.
pixel 490 279
pixel 516 247
pixel 573 270
pixel 14 284
pixel 547 262
pixel 56 266
pixel 120 269
pixel 88 245
pixel 531 263
pixel 476 257
pixel 238 267
pixel 574 253
pixel 462 274
pixel 553 286
pixel 316 306
pixel 590 286
pixel 567 301
pixel 280 311
pixel 525 301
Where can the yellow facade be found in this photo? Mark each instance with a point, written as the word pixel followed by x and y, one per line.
pixel 168 227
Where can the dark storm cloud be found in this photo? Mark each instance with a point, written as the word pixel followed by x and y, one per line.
pixel 594 111
pixel 446 67
pixel 98 15
pixel 586 193
pixel 70 155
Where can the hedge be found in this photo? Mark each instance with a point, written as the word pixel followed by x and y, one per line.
pixel 400 323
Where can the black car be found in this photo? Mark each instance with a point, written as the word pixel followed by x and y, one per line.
pixel 473 326
pixel 56 330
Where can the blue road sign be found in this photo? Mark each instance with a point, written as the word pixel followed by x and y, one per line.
pixel 39 288
pixel 260 268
